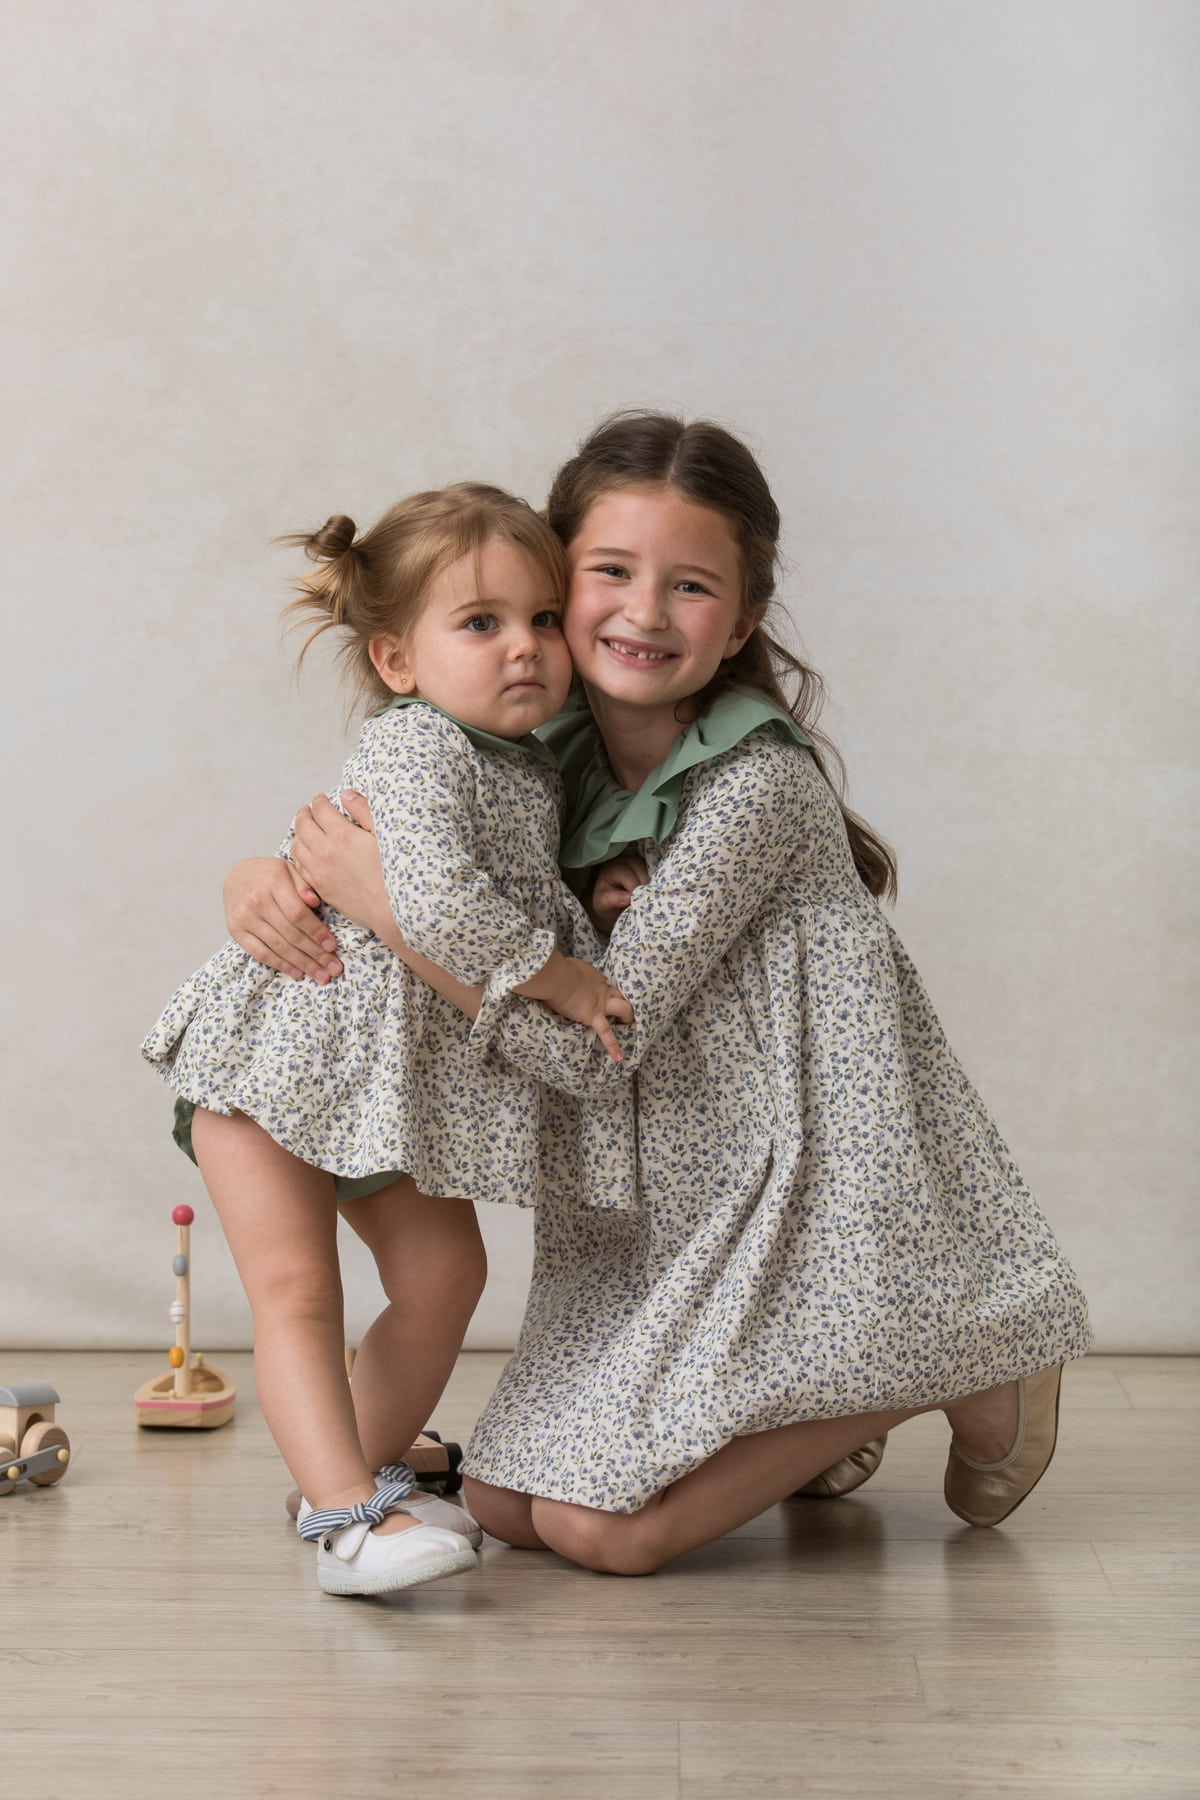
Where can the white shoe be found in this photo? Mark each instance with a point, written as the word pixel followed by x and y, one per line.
pixel 357 1560
pixel 431 1509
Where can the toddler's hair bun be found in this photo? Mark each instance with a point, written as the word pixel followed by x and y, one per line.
pixel 333 540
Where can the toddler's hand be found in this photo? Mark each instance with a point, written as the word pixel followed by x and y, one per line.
pixel 583 995
pixel 577 990
pixel 614 889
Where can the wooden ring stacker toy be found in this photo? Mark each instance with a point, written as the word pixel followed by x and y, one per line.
pixel 192 1392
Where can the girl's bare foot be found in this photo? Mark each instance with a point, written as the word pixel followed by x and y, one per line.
pixel 393 1521
pixel 985 1425
pixel 985 1490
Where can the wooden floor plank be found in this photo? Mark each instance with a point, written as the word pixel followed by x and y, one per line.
pixel 976 1761
pixel 377 1759
pixel 869 1647
pixel 1151 1689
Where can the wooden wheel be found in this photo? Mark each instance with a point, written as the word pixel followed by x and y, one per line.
pixel 8 1450
pixel 47 1437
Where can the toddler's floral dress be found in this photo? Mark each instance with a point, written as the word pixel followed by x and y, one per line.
pixel 372 1072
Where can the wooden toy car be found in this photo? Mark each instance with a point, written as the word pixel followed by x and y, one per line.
pixel 436 1465
pixel 32 1446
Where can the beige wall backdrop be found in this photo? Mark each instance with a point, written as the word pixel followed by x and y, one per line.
pixel 937 259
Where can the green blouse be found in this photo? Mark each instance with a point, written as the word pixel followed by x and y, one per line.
pixel 482 740
pixel 604 819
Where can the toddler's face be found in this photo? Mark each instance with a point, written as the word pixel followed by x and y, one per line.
pixel 656 597
pixel 488 647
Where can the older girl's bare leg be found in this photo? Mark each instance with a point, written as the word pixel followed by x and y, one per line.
pixel 503 1513
pixel 744 1478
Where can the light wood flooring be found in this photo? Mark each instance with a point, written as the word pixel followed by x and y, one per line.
pixel 162 1636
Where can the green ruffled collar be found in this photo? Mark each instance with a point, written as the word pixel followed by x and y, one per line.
pixel 604 819
pixel 482 740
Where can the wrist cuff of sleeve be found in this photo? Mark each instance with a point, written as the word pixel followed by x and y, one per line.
pixel 498 988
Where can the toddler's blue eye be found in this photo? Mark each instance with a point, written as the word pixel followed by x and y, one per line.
pixel 480 622
pixel 551 619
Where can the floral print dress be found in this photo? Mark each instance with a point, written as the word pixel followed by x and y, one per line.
pixel 373 1071
pixel 828 1221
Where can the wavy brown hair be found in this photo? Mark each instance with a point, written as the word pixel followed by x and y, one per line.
pixel 707 464
pixel 375 585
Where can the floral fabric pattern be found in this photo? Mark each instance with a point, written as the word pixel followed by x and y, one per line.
pixel 827 1222
pixel 374 1071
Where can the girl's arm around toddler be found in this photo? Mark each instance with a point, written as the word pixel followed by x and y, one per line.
pixel 741 833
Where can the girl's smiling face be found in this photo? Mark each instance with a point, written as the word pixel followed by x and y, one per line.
pixel 655 602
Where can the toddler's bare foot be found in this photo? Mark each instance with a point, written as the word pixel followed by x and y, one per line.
pixel 985 1425
pixel 391 1522
pixel 395 1522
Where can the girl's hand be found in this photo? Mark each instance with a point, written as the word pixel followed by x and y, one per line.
pixel 341 860
pixel 577 990
pixel 614 889
pixel 269 912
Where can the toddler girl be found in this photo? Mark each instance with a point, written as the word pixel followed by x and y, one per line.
pixel 450 607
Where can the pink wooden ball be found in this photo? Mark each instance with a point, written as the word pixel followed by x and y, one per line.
pixel 183 1215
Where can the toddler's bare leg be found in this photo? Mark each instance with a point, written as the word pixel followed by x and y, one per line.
pixel 432 1265
pixel 281 1222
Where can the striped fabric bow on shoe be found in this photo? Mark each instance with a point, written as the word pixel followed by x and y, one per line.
pixel 429 1509
pixel 353 1558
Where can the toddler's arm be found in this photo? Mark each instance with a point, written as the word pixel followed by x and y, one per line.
pixel 433 904
pixel 570 987
pixel 576 990
pixel 742 832
pixel 419 779
pixel 353 878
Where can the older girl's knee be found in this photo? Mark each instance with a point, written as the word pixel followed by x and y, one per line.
pixel 608 1543
pixel 503 1513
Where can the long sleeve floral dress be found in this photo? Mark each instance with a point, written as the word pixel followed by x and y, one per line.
pixel 829 1222
pixel 373 1071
